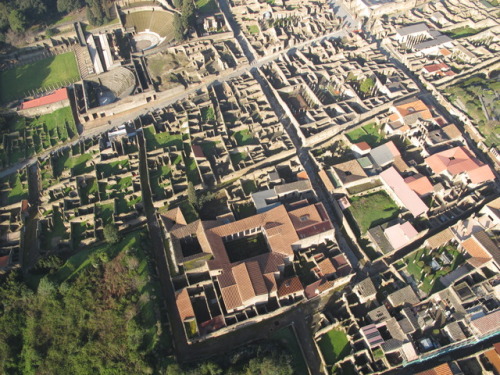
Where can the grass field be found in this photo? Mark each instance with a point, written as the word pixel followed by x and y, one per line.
pixel 159 140
pixel 334 346
pixel 206 6
pixel 370 134
pixel 244 137
pixel 462 32
pixel 419 266
pixel 373 209
pixel 53 71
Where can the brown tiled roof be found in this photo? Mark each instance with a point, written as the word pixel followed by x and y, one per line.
pixel 452 131
pixel 326 180
pixel 290 286
pixel 198 151
pixel 243 282
pixel 494 359
pixel 349 171
pixel 479 256
pixel 184 304
pixel 487 323
pixel 363 146
pixel 270 281
pixel 419 184
pixel 4 261
pixel 440 239
pixel 488 244
pixel 443 369
pixel 326 267
pixel 231 297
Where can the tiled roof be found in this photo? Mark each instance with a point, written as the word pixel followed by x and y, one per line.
pixel 460 160
pixel 290 286
pixel 487 323
pixel 487 243
pixel 408 197
pixel 326 180
pixel 349 171
pixel 443 369
pixel 4 261
pixel 494 359
pixel 198 151
pixel 231 297
pixel 412 110
pixel 403 296
pixel 419 184
pixel 400 235
pixel 408 30
pixel 363 146
pixel 326 267
pixel 56 96
pixel 452 131
pixel 479 256
pixel 366 287
pixel 379 314
pixel 184 304
pixel 372 335
pixel 440 239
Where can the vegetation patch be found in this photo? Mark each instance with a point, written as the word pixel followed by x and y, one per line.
pixel 334 346
pixel 427 266
pixel 287 338
pixel 373 209
pixel 370 133
pixel 163 139
pixel 244 137
pixel 246 247
pixel 462 32
pixel 54 71
pixel 253 29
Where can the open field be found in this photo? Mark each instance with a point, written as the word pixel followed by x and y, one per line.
pixel 334 346
pixel 52 71
pixel 369 133
pixel 373 209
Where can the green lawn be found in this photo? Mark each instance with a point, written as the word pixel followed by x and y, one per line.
pixel 249 186
pixel 111 169
pixel 188 211
pixel 52 71
pixel 418 264
pixel 78 164
pixel 334 346
pixel 207 113
pixel 208 148
pixel 18 191
pixel 160 140
pixel 238 157
pixel 373 209
pixel 462 32
pixel 206 6
pixel 105 212
pixel 244 137
pixel 59 124
pixel 370 133
pixel 253 29
pixel 192 171
pixel 288 339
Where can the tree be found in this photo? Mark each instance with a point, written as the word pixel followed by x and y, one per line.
pixel 111 234
pixel 17 21
pixel 179 30
pixel 188 18
pixel 191 192
pixel 68 5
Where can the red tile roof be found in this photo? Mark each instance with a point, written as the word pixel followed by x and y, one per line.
pixel 487 323
pixel 443 369
pixel 290 286
pixel 4 261
pixel 198 151
pixel 56 96
pixel 184 304
pixel 419 184
pixel 460 160
pixel 363 146
pixel 408 197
